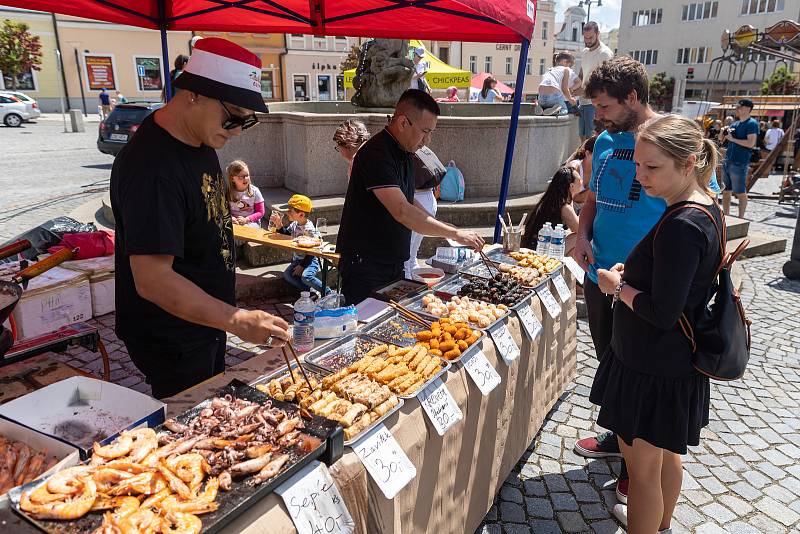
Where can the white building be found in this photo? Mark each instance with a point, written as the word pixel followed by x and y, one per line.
pixel 311 66
pixel 674 37
pixel 569 37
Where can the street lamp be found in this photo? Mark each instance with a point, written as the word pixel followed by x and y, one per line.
pixel 588 4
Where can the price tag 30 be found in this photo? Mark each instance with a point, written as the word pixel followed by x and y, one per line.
pixel 575 269
pixel 506 346
pixel 529 321
pixel 550 303
pixel 482 373
pixel 440 406
pixel 562 288
pixel 385 461
pixel 314 502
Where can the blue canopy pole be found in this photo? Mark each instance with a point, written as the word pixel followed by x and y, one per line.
pixel 162 24
pixel 512 136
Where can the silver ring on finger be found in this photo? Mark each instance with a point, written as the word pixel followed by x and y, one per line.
pixel 269 340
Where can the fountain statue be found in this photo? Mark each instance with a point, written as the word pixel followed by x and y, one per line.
pixel 383 73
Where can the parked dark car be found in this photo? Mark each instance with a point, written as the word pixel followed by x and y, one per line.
pixel 121 124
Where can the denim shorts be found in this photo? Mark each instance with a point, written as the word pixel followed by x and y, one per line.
pixel 586 123
pixel 734 176
pixel 552 100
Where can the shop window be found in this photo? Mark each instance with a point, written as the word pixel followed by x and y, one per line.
pixel 148 73
pixel 26 81
pixel 268 84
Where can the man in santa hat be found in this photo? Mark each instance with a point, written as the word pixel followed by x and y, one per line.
pixel 175 259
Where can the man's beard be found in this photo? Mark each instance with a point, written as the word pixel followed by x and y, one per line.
pixel 626 124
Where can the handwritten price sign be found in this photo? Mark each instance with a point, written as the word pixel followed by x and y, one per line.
pixel 550 303
pixel 575 269
pixel 440 406
pixel 529 321
pixel 385 461
pixel 506 346
pixel 314 502
pixel 562 288
pixel 482 373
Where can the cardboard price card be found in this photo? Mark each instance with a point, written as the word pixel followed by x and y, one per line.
pixel 550 303
pixel 529 321
pixel 562 288
pixel 385 461
pixel 575 269
pixel 506 346
pixel 482 372
pixel 314 502
pixel 440 406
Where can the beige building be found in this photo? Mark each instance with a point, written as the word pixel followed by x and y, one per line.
pixel 311 66
pixel 674 37
pixel 501 59
pixel 95 55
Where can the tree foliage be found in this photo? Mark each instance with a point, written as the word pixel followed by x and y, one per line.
pixel 782 82
pixel 661 89
pixel 20 51
pixel 351 61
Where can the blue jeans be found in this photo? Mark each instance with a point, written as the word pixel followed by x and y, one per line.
pixel 586 123
pixel 734 176
pixel 308 278
pixel 552 100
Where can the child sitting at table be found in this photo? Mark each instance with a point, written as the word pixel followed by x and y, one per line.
pixel 302 272
pixel 246 202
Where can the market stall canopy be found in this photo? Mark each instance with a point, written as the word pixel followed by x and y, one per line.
pixel 477 83
pixel 440 75
pixel 496 21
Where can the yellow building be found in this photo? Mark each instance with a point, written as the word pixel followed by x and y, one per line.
pixel 95 55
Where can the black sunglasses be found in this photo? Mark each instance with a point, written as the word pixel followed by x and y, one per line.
pixel 235 121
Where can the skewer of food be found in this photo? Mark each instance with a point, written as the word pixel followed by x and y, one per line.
pixel 403 370
pixel 464 310
pixel 447 338
pixel 542 262
pixel 527 276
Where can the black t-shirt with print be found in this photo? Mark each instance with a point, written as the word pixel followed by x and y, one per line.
pixel 367 228
pixel 169 198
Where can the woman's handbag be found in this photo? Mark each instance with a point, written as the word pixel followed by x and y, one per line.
pixel 720 337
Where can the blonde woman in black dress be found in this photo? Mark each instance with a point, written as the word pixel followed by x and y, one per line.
pixel 647 389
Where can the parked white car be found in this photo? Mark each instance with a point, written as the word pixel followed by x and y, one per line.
pixel 30 103
pixel 12 111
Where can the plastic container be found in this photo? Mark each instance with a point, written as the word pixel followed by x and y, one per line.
pixel 557 242
pixel 303 326
pixel 430 276
pixel 543 239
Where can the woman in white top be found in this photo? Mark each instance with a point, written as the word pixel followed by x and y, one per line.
pixel 557 82
pixel 773 135
pixel 489 94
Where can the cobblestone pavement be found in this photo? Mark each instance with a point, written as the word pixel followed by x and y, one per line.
pixel 743 478
pixel 47 173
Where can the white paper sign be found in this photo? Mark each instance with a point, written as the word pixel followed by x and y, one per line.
pixel 575 269
pixel 440 406
pixel 482 373
pixel 562 288
pixel 529 321
pixel 506 346
pixel 314 502
pixel 385 460
pixel 550 303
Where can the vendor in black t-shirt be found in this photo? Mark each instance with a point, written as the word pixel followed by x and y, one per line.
pixel 175 263
pixel 379 210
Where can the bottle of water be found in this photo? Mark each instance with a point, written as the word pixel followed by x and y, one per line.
pixel 303 327
pixel 543 239
pixel 557 242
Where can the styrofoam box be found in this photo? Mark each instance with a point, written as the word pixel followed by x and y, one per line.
pixel 66 454
pixel 52 300
pixel 101 281
pixel 81 410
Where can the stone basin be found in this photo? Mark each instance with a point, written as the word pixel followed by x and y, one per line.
pixel 292 146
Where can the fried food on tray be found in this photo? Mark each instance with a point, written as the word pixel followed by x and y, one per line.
pixel 447 338
pixel 542 262
pixel 351 399
pixel 160 483
pixel 403 370
pixel 19 463
pixel 464 309
pixel 527 276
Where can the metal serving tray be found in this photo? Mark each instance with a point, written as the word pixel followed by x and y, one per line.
pixel 395 329
pixel 417 306
pixel 241 496
pixel 341 352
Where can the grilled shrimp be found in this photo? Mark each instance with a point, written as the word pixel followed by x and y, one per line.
pixel 72 508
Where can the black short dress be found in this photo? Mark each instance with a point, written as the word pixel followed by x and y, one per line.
pixel 645 384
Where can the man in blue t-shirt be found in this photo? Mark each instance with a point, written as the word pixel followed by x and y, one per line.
pixel 617 213
pixel 741 137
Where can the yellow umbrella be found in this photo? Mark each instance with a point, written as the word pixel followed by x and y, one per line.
pixel 440 75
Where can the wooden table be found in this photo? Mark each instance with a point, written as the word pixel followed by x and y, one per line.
pixel 285 242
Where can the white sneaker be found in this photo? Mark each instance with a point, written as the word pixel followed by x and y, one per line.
pixel 621 513
pixel 552 111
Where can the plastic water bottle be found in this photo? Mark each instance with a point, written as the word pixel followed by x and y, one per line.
pixel 557 240
pixel 303 327
pixel 543 239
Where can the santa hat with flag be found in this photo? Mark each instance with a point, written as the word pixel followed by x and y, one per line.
pixel 224 70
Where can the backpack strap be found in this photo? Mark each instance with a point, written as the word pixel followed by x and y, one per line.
pixel 722 234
